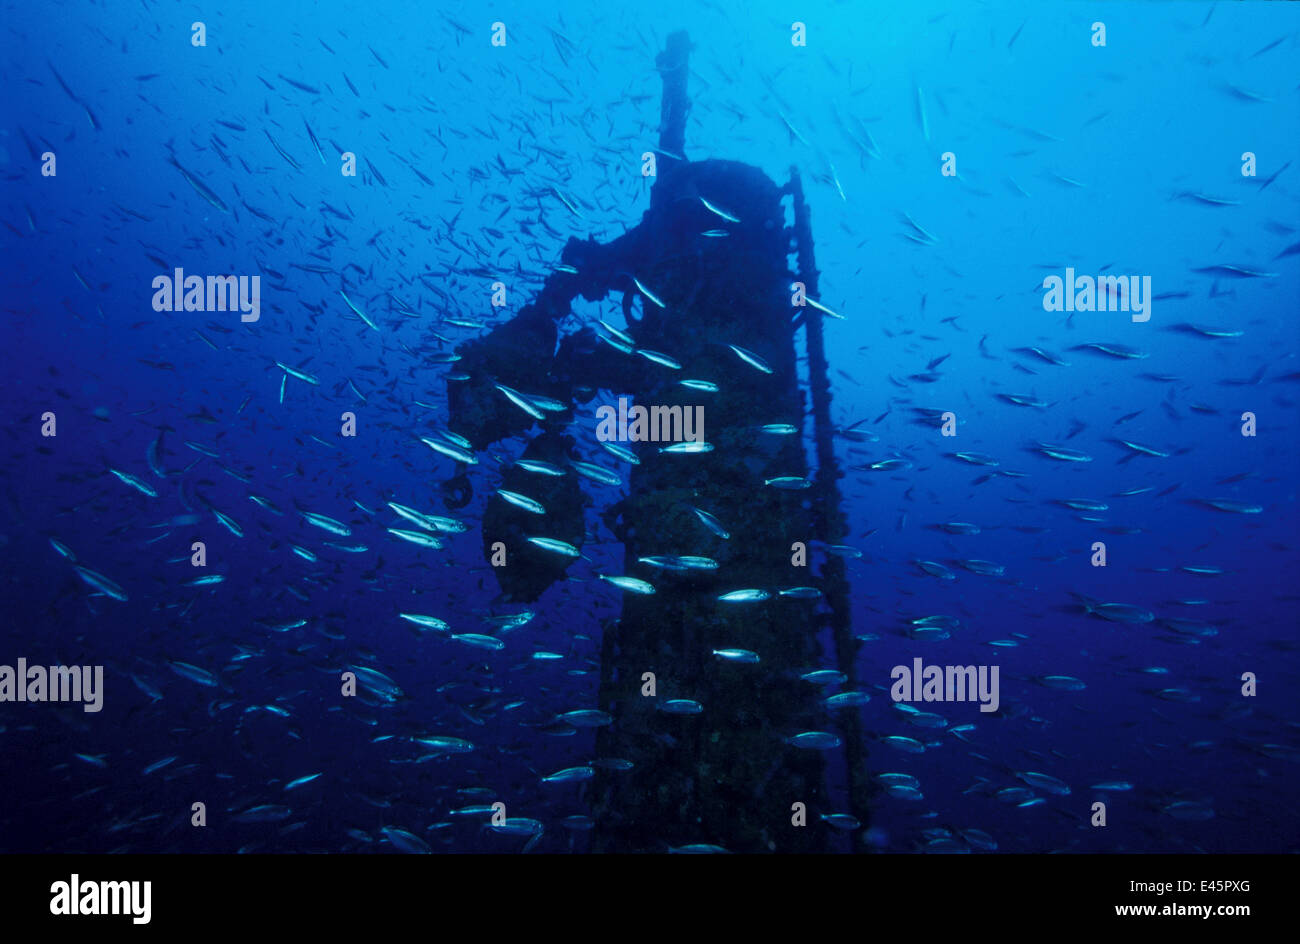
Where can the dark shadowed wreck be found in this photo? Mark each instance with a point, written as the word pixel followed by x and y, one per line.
pixel 714 763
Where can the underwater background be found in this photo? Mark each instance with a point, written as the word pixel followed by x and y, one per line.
pixel 475 163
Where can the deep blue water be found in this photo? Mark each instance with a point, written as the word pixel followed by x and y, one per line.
pixel 1122 159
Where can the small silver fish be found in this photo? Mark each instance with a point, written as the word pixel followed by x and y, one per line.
pixel 736 655
pixel 522 501
pixel 629 583
pixel 712 523
pixel 750 358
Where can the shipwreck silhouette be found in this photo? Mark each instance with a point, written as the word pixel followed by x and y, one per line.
pixel 726 776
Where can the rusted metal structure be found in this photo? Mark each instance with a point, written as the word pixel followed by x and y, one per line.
pixel 728 775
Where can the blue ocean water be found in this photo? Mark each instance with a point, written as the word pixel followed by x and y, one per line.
pixel 475 163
